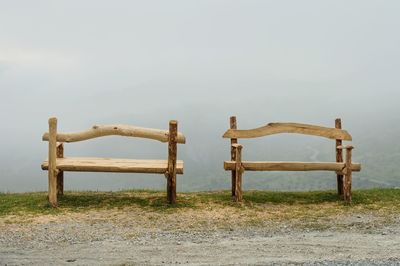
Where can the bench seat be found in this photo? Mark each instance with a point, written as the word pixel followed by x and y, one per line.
pixel 87 164
pixel 291 166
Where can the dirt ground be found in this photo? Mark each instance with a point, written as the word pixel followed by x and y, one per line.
pixel 137 237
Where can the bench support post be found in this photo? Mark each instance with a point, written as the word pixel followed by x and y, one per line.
pixel 238 197
pixel 233 125
pixel 60 174
pixel 52 171
pixel 172 154
pixel 348 175
pixel 339 158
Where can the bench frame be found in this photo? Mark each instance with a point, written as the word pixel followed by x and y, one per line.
pixel 56 151
pixel 343 169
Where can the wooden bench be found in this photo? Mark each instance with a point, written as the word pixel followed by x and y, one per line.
pixel 343 169
pixel 57 164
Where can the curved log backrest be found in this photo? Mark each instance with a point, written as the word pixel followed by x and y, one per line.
pixel 116 130
pixel 277 128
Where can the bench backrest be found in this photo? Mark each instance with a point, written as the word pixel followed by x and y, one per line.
pixel 277 128
pixel 116 130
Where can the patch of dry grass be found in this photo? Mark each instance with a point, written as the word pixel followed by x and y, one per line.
pixel 205 210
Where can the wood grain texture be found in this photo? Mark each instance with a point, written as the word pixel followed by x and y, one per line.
pixel 277 128
pixel 348 175
pixel 52 165
pixel 238 173
pixel 339 158
pixel 60 174
pixel 290 166
pixel 116 130
pixel 233 125
pixel 172 154
pixel 87 164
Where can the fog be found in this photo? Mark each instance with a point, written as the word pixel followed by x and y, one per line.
pixel 144 63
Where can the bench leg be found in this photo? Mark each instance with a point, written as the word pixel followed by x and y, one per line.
pixel 60 175
pixel 339 159
pixel 233 177
pixel 60 183
pixel 171 189
pixel 348 176
pixel 238 197
pixel 233 125
pixel 52 171
pixel 172 151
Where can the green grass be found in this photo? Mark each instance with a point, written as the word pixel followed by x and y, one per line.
pixel 363 200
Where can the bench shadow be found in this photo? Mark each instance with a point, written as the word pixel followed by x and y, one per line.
pixel 101 200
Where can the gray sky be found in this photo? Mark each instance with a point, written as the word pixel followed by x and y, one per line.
pixel 145 62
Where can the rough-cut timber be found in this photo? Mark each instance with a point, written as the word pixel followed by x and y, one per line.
pixel 172 154
pixel 118 130
pixel 52 168
pixel 291 166
pixel 238 173
pixel 60 174
pixel 339 158
pixel 337 133
pixel 277 128
pixel 233 125
pixel 87 164
pixel 348 175
pixel 57 164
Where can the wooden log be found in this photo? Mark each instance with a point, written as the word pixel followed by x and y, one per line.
pixel 172 154
pixel 52 171
pixel 87 164
pixel 238 173
pixel 233 125
pixel 60 174
pixel 119 130
pixel 339 158
pixel 290 166
pixel 348 176
pixel 277 128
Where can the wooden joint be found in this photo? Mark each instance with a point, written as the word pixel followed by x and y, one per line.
pixel 345 147
pixel 241 168
pixel 236 145
pixel 344 171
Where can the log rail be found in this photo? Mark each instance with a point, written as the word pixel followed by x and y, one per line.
pixel 277 128
pixel 116 130
pixel 292 166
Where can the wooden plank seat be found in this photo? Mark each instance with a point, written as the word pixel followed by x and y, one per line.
pixel 87 164
pixel 343 168
pixel 291 166
pixel 57 164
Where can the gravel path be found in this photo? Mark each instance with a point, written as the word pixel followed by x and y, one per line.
pixel 83 240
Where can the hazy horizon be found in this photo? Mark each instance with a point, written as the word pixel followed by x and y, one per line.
pixel 144 63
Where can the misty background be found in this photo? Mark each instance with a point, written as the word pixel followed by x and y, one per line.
pixel 144 63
